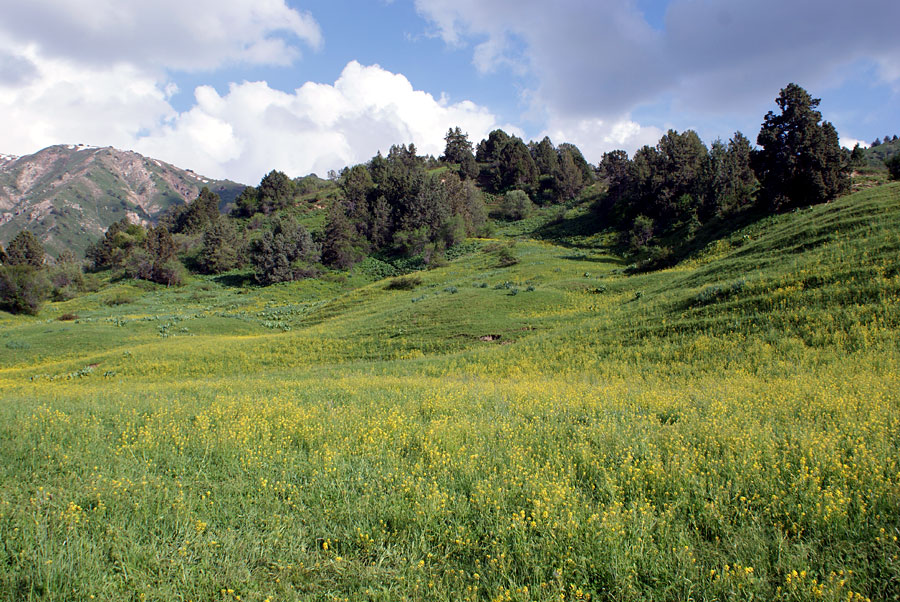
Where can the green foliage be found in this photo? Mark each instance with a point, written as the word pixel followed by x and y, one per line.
pixel 284 253
pixel 800 162
pixel 194 217
pixel 117 243
pixel 516 205
pixel 404 283
pixel 458 148
pixel 156 260
pixel 341 247
pixel 23 288
pixel 221 248
pixel 275 191
pixel 893 165
pixel 25 249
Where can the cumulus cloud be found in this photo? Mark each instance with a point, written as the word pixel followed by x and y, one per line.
pixel 254 128
pixel 163 34
pixel 61 101
pixel 596 136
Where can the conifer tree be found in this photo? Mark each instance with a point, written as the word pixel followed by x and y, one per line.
pixel 25 249
pixel 800 162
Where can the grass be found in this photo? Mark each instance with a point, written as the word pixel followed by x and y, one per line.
pixel 726 429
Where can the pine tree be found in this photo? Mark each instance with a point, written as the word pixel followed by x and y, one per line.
pixel 219 250
pixel 800 162
pixel 25 249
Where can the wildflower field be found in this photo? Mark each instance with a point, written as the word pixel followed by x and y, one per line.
pixel 555 429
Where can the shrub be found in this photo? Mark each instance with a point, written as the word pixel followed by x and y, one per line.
pixel 893 165
pixel 22 289
pixel 404 283
pixel 516 205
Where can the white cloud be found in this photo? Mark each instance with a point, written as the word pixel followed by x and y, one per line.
pixel 65 102
pixel 595 136
pixel 253 128
pixel 163 34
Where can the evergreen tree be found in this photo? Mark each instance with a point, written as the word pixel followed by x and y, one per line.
pixel 516 168
pixel 23 288
pixel 568 178
pixel 202 211
pixel 219 250
pixel 283 253
pixel 247 203
pixel 545 156
pixel 893 165
pixel 275 191
pixel 489 149
pixel 117 243
pixel 732 183
pixel 339 245
pixel 25 249
pixel 458 147
pixel 800 162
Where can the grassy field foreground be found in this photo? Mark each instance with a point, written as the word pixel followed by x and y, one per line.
pixel 557 429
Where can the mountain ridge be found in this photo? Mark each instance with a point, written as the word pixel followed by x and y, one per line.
pixel 68 194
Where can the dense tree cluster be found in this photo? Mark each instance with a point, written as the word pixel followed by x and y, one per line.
pixel 680 184
pixel 28 278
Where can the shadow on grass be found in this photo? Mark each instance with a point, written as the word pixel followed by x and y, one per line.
pixel 237 280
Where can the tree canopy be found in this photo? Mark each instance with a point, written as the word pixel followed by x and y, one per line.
pixel 800 162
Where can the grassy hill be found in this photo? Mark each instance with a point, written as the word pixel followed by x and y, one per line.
pixel 553 429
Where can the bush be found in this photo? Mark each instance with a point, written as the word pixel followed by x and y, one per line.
pixel 22 289
pixel 516 205
pixel 405 283
pixel 893 165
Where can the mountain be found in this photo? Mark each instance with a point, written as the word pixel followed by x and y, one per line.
pixel 69 194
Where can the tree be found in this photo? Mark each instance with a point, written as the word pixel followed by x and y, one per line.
pixel 516 205
pixel 25 249
pixel 275 191
pixel 893 165
pixel 545 156
pixel 458 147
pixel 733 184
pixel 156 259
pixel 800 162
pixel 857 157
pixel 569 179
pixel 340 249
pixel 117 243
pixel 219 250
pixel 274 255
pixel 3 258
pixel 23 288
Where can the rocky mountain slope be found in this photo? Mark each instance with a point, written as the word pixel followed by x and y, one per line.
pixel 68 195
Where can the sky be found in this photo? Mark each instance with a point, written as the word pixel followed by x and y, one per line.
pixel 236 88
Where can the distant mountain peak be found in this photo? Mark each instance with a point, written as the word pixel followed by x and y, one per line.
pixel 68 194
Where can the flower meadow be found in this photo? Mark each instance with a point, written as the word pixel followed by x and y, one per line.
pixel 731 433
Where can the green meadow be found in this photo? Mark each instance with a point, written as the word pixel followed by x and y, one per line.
pixel 532 421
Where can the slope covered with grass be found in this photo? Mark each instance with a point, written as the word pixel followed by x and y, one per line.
pixel 552 429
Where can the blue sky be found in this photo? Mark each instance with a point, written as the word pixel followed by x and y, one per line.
pixel 234 88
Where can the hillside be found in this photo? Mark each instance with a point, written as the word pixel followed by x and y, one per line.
pixel 557 428
pixel 68 195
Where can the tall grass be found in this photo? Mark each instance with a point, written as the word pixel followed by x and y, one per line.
pixel 731 433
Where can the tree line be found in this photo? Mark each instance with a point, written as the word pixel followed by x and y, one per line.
pixel 411 209
pixel 663 195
